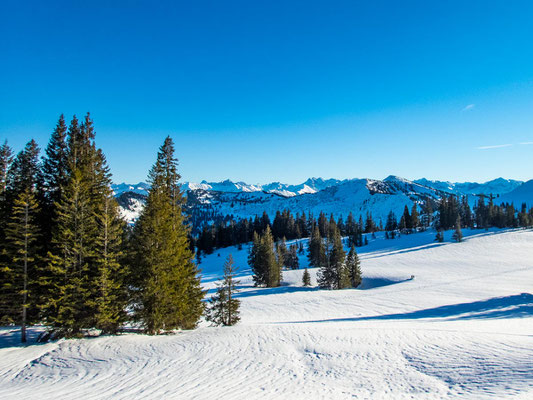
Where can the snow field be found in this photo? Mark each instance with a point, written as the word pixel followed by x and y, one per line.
pixel 462 328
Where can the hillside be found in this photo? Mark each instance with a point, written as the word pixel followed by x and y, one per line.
pixel 332 196
pixel 461 329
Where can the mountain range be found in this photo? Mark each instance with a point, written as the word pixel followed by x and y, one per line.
pixel 214 200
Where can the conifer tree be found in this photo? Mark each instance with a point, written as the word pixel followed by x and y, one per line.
pixel 21 237
pixel 111 297
pixel 353 265
pixel 317 251
pixel 333 274
pixel 306 278
pixel 169 292
pixel 68 283
pixel 223 306
pixel 415 221
pixel 458 234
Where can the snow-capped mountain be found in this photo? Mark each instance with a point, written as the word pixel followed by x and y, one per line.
pixel 332 196
pixel 495 187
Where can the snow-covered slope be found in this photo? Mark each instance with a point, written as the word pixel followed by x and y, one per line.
pixel 497 186
pixel 331 196
pixel 461 329
pixel 522 194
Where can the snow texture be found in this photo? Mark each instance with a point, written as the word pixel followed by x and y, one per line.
pixel 461 329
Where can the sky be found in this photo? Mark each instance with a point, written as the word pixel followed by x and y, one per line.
pixel 278 90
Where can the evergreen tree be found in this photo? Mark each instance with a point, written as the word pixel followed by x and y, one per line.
pixel 111 297
pixel 415 221
pixel 67 284
pixel 223 306
pixel 458 234
pixel 53 176
pixel 306 278
pixel 164 274
pixel 353 265
pixel 440 236
pixel 21 237
pixel 317 251
pixel 333 274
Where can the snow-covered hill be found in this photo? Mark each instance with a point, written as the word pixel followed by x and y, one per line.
pixel 461 329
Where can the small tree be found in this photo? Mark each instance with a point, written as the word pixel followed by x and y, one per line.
pixel 223 308
pixel 306 278
pixel 458 234
pixel 439 237
pixel 353 266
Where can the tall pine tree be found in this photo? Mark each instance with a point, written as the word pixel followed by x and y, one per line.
pixel 169 295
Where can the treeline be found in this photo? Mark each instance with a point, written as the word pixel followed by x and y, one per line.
pixel 442 214
pixel 285 226
pixel 67 259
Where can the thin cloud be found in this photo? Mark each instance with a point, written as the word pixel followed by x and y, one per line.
pixel 468 107
pixel 498 146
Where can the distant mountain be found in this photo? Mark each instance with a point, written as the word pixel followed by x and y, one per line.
pixel 497 186
pixel 522 194
pixel 214 200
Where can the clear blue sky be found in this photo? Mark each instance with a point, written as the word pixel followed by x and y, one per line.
pixel 279 90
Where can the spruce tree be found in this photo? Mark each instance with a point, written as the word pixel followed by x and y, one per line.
pixel 353 265
pixel 333 274
pixel 53 176
pixel 67 285
pixel 165 276
pixel 306 278
pixel 317 251
pixel 223 307
pixel 111 297
pixel 22 244
pixel 458 234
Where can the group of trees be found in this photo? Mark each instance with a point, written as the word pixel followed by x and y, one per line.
pixel 67 258
pixel 336 269
pixel 285 226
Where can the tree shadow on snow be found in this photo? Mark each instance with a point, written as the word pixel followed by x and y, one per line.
pixel 515 306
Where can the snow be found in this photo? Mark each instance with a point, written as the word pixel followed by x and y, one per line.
pixel 462 328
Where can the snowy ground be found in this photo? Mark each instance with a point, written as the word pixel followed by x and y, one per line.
pixel 463 328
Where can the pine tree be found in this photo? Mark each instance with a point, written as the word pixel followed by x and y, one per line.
pixel 353 265
pixel 415 221
pixel 110 299
pixel 67 284
pixel 440 236
pixel 458 234
pixel 21 237
pixel 306 278
pixel 317 251
pixel 6 158
pixel 164 274
pixel 223 307
pixel 333 274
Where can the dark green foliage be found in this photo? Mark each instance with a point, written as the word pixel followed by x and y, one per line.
pixel 316 250
pixel 292 260
pixel 440 236
pixel 306 278
pixel 265 264
pixel 69 285
pixel 333 275
pixel 458 234
pixel 167 291
pixel 223 307
pixel 21 245
pixel 353 266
